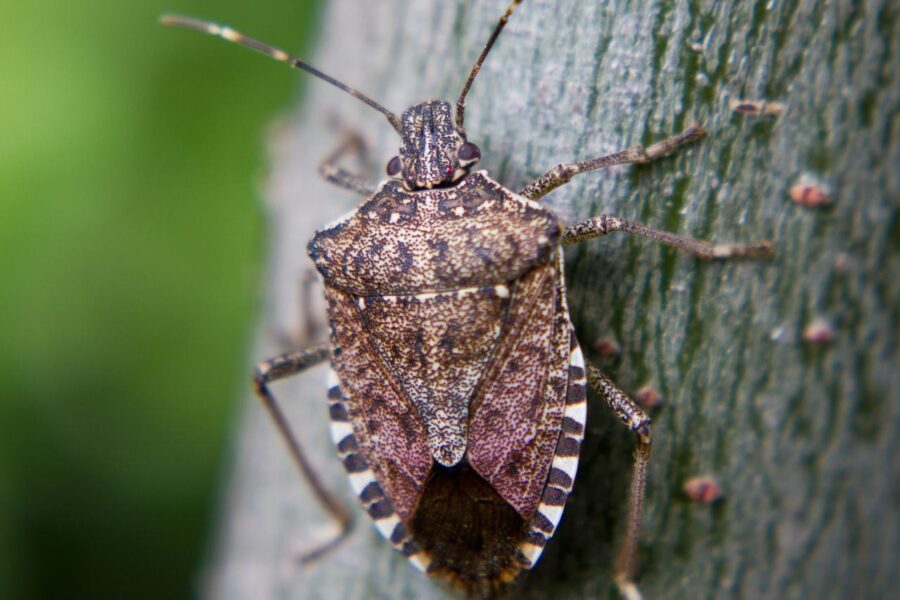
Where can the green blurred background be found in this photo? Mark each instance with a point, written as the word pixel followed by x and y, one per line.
pixel 131 157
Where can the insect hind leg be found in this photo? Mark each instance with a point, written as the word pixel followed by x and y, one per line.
pixel 639 423
pixel 281 367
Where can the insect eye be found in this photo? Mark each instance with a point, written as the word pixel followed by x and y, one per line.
pixel 394 166
pixel 469 151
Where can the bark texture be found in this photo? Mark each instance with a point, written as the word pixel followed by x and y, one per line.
pixel 802 438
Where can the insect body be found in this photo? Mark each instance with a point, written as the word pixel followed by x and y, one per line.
pixel 451 342
pixel 458 393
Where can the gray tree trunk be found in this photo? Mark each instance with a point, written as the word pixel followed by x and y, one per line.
pixel 802 438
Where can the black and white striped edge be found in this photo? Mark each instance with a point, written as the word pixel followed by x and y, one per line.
pixel 564 465
pixel 362 479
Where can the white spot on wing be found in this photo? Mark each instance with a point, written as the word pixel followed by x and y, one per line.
pixel 500 289
pixel 454 294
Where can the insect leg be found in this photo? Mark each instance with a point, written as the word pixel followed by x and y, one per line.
pixel 561 174
pixel 352 144
pixel 310 323
pixel 281 367
pixel 639 423
pixel 603 224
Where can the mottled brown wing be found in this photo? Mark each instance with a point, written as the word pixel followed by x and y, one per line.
pixel 437 347
pixel 387 428
pixel 516 416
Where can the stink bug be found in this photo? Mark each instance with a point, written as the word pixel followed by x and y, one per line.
pixel 458 390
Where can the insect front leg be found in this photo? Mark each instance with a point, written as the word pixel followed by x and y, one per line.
pixel 603 224
pixel 310 324
pixel 281 367
pixel 353 145
pixel 562 174
pixel 639 423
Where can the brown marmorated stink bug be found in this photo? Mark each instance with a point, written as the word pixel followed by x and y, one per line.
pixel 458 394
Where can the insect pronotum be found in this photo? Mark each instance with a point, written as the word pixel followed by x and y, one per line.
pixel 458 390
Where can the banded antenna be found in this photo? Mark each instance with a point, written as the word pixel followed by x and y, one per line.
pixel 476 68
pixel 229 34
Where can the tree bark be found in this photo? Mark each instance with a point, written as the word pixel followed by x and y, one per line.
pixel 798 435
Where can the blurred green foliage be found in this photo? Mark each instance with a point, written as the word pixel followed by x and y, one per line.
pixel 130 236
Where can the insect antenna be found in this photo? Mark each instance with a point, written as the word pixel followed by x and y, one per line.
pixel 229 34
pixel 461 102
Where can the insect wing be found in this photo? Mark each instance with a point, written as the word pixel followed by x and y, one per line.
pixel 388 431
pixel 517 416
pixel 437 347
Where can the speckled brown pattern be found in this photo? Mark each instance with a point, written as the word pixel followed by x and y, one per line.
pixel 517 413
pixel 390 433
pixel 398 242
pixel 453 350
pixel 437 347
pixel 474 331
